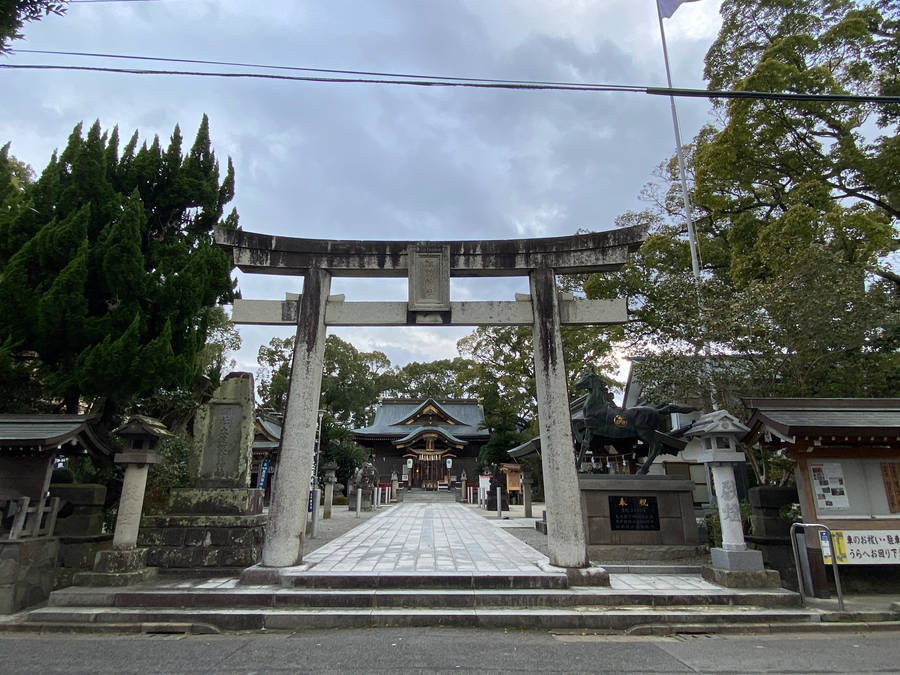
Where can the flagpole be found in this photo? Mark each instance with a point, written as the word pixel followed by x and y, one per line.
pixel 689 215
pixel 688 211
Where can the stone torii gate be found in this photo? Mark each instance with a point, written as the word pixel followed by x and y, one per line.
pixel 428 266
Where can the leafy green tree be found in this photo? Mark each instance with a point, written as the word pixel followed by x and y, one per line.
pixel 785 174
pixel 14 14
pixel 351 384
pixel 504 362
pixel 352 381
pixel 797 213
pixel 274 376
pixel 444 378
pixel 107 275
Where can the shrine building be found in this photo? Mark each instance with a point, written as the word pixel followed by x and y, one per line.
pixel 429 443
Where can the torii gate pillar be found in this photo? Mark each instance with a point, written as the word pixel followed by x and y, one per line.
pixel 566 541
pixel 287 511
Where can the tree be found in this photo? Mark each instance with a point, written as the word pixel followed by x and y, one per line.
pixel 14 14
pixel 783 174
pixel 108 272
pixel 351 383
pixel 444 378
pixel 796 213
pixel 504 361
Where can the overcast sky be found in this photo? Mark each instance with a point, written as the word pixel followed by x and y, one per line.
pixel 365 161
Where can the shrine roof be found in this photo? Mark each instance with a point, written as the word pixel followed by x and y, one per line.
pixel 397 418
pixel 815 417
pixel 418 432
pixel 48 430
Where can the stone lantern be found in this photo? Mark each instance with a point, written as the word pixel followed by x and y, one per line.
pixel 125 563
pixel 733 564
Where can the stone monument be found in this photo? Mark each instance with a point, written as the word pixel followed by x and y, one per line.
pixel 218 524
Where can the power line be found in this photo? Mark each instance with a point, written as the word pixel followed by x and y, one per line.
pixel 488 84
pixel 239 64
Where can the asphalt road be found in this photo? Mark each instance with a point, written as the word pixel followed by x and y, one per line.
pixel 445 650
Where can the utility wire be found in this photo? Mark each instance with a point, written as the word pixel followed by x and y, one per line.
pixel 367 73
pixel 483 84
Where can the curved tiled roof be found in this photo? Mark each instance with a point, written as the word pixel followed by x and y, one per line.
pixel 440 431
pixel 392 413
pixel 48 430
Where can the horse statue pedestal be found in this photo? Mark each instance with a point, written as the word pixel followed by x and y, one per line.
pixel 640 518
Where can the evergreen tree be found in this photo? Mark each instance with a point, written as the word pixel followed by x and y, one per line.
pixel 108 271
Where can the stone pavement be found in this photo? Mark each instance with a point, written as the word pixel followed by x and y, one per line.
pixel 419 537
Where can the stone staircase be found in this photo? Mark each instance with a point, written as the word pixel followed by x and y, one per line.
pixel 223 605
pixel 420 496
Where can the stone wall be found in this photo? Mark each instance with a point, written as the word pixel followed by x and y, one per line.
pixel 27 571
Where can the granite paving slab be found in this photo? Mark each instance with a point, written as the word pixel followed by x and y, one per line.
pixel 443 542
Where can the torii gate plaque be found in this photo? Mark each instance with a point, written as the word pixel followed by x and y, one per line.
pixel 429 266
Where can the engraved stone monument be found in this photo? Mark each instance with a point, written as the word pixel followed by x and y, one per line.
pixel 218 524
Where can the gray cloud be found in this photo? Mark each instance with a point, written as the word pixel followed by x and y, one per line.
pixel 368 161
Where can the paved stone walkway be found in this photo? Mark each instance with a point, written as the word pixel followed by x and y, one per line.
pixel 426 538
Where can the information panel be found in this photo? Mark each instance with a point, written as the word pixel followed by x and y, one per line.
pixel 633 513
pixel 828 486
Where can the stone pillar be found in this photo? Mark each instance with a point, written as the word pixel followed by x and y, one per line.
pixel 565 526
pixel 125 564
pixel 330 478
pixel 729 507
pixel 131 503
pixel 526 493
pixel 287 510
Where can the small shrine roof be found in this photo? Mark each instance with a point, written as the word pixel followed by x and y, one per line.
pixel 45 431
pixel 816 417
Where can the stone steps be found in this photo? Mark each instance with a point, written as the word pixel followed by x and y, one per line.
pixel 583 618
pixel 437 599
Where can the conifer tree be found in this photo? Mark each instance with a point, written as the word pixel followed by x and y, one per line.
pixel 108 266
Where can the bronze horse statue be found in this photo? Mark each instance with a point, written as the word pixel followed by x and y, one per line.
pixel 604 420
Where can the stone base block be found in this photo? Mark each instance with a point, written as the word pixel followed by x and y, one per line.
pixel 619 554
pixel 203 541
pixel 216 501
pixel 259 575
pixel 749 560
pixel 742 578
pixel 120 560
pixel 115 578
pixel 587 576
pixel 26 572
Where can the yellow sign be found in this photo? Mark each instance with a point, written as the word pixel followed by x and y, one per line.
pixel 620 421
pixel 862 547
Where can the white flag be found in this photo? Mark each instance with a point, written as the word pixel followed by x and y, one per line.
pixel 667 7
